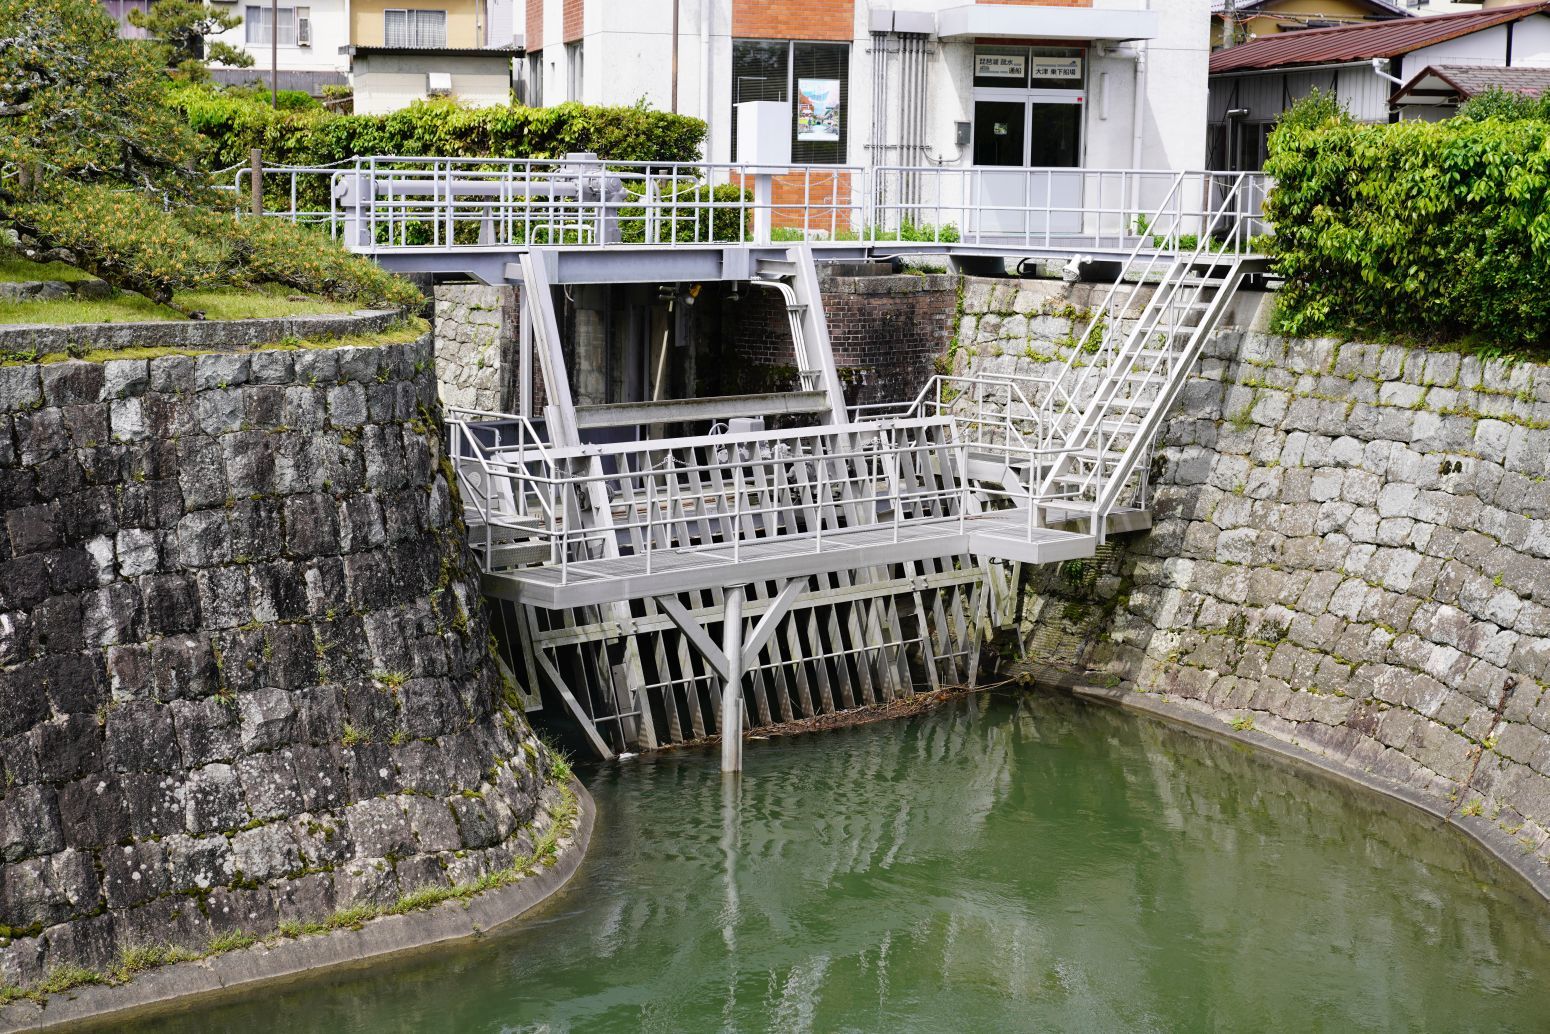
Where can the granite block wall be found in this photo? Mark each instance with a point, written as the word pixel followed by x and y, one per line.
pixel 244 674
pixel 476 346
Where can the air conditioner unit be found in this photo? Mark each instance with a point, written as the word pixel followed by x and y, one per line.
pixel 438 84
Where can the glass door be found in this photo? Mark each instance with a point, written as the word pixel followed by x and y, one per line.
pixel 1000 133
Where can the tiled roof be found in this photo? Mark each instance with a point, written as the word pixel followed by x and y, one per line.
pixel 1469 80
pixel 1352 43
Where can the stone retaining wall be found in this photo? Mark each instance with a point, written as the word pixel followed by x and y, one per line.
pixel 244 674
pixel 476 346
pixel 1351 552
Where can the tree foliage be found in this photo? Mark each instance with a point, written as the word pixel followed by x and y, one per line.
pixel 182 30
pixel 1432 229
pixel 78 102
pixel 1503 104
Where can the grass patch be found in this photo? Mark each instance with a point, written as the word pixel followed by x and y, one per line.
pixel 263 301
pixel 16 269
pixel 1242 723
pixel 227 303
pixel 123 307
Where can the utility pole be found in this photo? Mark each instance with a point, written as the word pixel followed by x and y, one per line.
pixel 274 54
pixel 1229 24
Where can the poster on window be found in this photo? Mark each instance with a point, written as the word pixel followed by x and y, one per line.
pixel 818 109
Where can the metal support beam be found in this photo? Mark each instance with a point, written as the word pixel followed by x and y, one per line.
pixel 815 330
pixel 561 408
pixel 732 694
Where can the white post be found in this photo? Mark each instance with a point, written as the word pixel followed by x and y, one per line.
pixel 732 694
pixel 763 207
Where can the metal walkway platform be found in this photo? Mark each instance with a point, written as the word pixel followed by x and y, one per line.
pixel 1001 535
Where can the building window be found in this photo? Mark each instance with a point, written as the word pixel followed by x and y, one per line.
pixel 264 24
pixel 573 71
pixel 413 28
pixel 814 78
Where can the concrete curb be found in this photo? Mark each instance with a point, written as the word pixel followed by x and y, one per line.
pixel 1497 843
pixel 289 960
pixel 210 335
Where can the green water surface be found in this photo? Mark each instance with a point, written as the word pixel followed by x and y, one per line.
pixel 1028 864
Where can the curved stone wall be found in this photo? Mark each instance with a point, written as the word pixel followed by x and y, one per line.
pixel 1351 552
pixel 244 674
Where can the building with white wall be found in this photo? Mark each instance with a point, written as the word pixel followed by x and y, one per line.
pixel 1105 83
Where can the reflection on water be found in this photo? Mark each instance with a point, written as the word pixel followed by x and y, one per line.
pixel 1002 864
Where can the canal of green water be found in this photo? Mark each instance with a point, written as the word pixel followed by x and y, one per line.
pixel 1001 864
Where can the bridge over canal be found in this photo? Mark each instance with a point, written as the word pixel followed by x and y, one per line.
pixel 662 587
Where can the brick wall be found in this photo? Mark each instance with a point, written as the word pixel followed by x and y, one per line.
pixel 572 24
pixel 794 19
pixel 535 26
pixel 887 333
pixel 809 201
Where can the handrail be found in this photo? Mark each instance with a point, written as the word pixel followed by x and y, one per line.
pixel 419 202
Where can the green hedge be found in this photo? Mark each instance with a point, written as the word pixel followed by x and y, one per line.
pixel 1433 230
pixel 234 124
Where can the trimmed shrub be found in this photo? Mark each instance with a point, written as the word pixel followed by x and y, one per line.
pixel 273 251
pixel 135 244
pixel 234 124
pixel 1437 230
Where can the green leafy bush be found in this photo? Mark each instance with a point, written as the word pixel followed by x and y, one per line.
pixel 297 100
pixel 1499 103
pixel 1430 229
pixel 689 224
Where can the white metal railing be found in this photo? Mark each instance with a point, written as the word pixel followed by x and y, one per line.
pixel 790 493
pixel 385 203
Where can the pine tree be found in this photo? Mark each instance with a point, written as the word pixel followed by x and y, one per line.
pixel 181 28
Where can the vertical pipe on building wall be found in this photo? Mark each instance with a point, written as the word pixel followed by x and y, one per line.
pixel 705 76
pixel 1138 115
pixel 674 106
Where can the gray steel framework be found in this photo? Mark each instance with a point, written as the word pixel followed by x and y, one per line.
pixel 673 589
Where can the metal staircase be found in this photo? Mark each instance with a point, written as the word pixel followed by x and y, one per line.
pixel 1108 418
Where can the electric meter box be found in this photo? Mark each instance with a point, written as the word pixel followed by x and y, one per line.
pixel 764 135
